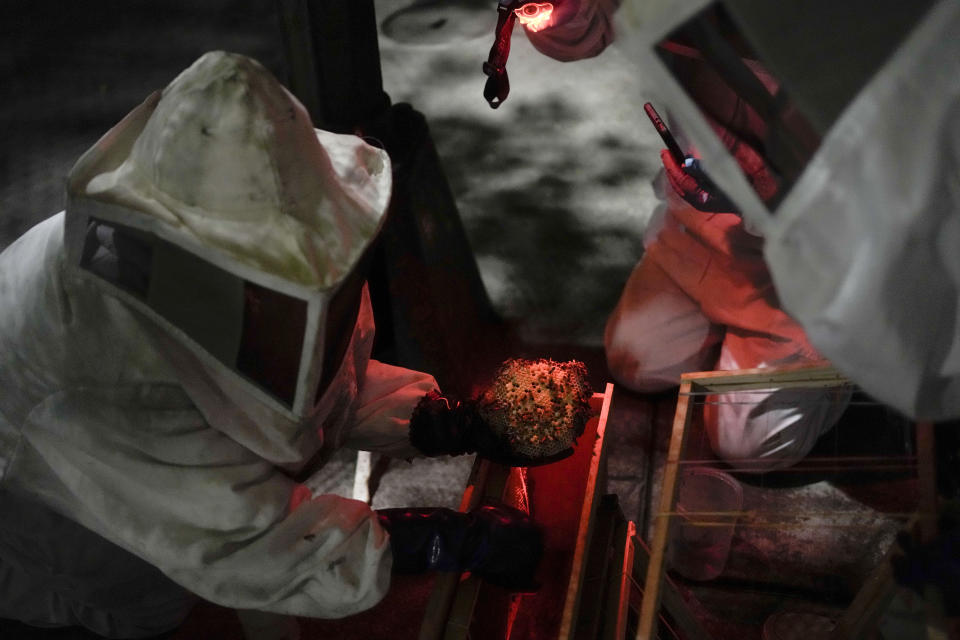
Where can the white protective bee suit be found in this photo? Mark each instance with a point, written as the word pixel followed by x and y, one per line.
pixel 140 460
pixel 701 298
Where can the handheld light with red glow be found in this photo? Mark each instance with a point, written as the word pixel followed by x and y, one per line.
pixel 535 15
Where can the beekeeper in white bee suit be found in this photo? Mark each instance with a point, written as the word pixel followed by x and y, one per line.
pixel 701 297
pixel 182 345
pixel 826 137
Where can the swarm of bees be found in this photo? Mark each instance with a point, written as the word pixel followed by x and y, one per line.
pixel 541 406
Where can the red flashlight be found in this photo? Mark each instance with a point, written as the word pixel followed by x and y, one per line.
pixel 535 15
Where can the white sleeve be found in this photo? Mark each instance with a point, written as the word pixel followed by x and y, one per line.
pixel 388 396
pixel 143 469
pixel 586 30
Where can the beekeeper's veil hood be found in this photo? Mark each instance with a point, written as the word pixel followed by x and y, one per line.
pixel 854 107
pixel 216 209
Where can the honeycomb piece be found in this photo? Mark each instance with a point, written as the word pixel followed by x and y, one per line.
pixel 541 406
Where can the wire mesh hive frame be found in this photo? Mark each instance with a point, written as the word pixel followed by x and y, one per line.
pixel 878 587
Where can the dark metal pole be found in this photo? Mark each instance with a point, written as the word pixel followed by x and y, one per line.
pixel 334 61
pixel 430 305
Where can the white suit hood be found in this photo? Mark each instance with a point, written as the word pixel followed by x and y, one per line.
pixel 225 166
pixel 226 160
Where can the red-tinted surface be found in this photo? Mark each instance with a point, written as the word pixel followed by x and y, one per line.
pixel 556 499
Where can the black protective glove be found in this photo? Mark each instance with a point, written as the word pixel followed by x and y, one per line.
pixel 445 427
pixel 497 543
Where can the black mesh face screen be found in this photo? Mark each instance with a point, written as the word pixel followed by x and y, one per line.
pixel 251 329
pixel 274 325
pixel 123 258
pixel 775 77
pixel 717 68
pixel 202 300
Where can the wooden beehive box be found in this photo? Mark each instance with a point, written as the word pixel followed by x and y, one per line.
pixel 563 498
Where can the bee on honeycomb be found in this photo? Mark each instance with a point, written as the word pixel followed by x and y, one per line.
pixel 539 406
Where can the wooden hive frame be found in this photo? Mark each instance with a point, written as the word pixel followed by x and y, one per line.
pixel 879 587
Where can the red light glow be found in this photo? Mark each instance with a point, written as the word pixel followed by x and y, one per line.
pixel 535 15
pixel 301 493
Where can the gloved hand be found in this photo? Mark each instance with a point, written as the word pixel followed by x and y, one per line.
pixel 497 543
pixel 693 185
pixel 440 426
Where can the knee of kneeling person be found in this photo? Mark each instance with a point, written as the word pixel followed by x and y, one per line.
pixel 627 369
pixel 627 362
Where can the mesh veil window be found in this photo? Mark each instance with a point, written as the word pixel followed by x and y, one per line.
pixel 777 77
pixel 251 329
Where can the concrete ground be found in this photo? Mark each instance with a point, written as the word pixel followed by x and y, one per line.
pixel 553 190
